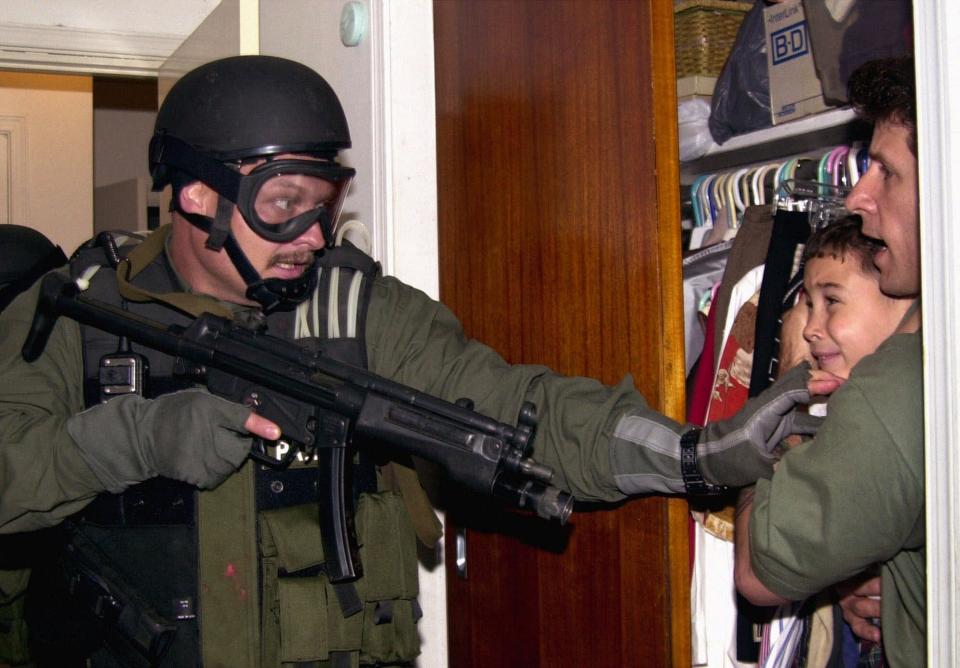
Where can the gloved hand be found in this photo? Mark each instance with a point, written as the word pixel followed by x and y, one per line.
pixel 741 449
pixel 192 436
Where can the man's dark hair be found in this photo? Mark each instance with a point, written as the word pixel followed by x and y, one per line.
pixel 842 239
pixel 885 90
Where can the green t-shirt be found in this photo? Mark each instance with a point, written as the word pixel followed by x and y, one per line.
pixel 854 497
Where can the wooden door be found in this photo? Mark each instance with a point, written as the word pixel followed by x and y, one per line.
pixel 560 244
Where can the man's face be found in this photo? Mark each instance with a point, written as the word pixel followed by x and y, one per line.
pixel 886 197
pixel 847 315
pixel 291 194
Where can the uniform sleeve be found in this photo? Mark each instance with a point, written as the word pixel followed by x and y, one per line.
pixel 42 476
pixel 415 340
pixel 851 497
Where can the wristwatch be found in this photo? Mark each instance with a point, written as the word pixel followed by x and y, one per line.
pixel 693 480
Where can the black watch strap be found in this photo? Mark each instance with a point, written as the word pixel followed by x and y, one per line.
pixel 693 480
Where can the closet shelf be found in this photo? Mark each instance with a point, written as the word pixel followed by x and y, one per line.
pixel 834 127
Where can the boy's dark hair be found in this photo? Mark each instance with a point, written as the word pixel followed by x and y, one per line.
pixel 885 90
pixel 842 239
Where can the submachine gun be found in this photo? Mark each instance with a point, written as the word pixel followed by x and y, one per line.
pixel 322 407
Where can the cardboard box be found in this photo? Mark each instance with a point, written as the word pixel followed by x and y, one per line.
pixel 795 90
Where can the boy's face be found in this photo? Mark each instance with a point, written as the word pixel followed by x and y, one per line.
pixel 847 315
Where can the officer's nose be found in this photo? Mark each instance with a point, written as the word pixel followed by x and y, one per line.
pixel 311 238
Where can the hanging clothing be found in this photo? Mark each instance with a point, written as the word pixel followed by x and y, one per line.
pixel 791 229
pixel 749 250
pixel 702 272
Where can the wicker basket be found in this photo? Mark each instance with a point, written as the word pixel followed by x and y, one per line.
pixel 704 31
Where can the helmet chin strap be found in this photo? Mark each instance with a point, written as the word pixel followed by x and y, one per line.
pixel 272 294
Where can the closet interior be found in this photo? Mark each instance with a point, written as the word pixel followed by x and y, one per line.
pixel 750 198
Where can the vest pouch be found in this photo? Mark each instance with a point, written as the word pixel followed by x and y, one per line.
pixel 294 607
pixel 302 620
pixel 389 586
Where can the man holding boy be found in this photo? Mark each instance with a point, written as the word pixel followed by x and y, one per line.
pixel 853 497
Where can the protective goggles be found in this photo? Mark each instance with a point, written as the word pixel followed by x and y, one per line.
pixel 279 199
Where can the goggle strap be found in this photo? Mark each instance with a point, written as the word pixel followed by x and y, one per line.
pixel 240 261
pixel 219 229
pixel 168 150
pixel 326 228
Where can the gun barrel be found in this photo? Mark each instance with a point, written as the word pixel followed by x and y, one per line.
pixel 546 501
pixel 532 469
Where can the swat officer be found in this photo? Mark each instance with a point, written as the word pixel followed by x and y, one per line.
pixel 169 523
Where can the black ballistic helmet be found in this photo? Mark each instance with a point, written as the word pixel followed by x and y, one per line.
pixel 25 255
pixel 251 106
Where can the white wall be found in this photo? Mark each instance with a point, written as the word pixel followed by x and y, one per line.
pixel 46 124
pixel 169 17
pixel 95 36
pixel 120 140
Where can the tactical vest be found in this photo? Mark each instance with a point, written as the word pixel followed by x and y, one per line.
pixel 239 570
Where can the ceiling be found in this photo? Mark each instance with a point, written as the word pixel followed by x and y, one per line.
pixel 122 37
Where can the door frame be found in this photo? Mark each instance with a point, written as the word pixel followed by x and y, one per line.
pixel 938 106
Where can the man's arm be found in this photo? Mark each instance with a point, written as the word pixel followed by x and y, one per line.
pixel 43 478
pixel 57 456
pixel 604 443
pixel 746 580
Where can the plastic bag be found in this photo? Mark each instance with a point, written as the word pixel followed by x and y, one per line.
pixel 695 140
pixel 741 97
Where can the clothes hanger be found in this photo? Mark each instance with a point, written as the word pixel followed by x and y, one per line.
pixel 853 171
pixel 698 216
pixel 740 196
pixel 824 202
pixel 837 163
pixel 760 182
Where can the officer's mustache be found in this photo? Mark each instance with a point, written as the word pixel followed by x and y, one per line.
pixel 298 258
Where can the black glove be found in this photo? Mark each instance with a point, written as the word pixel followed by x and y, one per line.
pixel 741 449
pixel 192 436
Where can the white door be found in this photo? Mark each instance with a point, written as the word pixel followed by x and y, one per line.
pixel 385 83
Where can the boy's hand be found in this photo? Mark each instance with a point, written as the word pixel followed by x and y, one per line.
pixel 823 383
